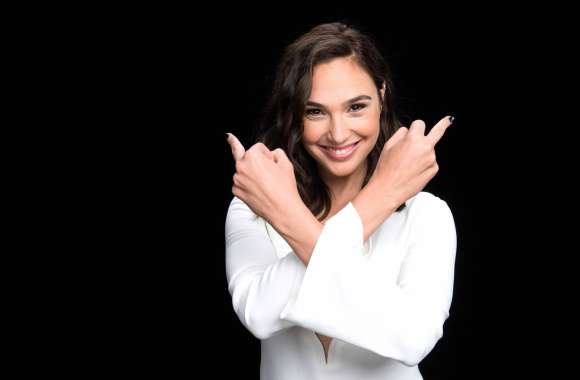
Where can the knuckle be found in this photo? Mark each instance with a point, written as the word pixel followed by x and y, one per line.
pixel 401 133
pixel 258 146
pixel 418 123
pixel 281 152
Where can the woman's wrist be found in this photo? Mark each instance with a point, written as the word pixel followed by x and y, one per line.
pixel 300 228
pixel 374 205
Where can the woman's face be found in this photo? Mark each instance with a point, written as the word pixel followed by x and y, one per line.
pixel 343 109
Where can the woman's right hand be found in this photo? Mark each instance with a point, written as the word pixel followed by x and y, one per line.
pixel 407 162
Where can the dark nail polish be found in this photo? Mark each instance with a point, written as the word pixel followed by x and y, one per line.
pixel 451 119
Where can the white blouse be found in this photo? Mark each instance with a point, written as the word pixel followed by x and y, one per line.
pixel 384 301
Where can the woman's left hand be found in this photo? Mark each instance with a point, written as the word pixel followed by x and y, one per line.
pixel 264 180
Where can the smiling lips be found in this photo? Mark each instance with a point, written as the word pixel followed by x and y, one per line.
pixel 340 154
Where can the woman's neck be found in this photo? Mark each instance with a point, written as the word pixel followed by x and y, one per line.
pixel 344 189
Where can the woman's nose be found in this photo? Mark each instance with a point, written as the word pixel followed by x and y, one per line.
pixel 338 131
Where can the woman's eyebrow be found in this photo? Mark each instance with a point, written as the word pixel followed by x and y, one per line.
pixel 357 98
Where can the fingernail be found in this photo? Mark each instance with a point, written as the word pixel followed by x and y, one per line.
pixel 451 118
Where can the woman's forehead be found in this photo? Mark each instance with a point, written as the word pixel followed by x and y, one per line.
pixel 335 81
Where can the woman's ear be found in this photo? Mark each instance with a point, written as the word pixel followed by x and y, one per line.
pixel 382 90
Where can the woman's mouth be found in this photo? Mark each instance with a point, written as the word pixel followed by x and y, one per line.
pixel 340 154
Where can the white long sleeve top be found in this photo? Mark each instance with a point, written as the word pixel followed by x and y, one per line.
pixel 383 301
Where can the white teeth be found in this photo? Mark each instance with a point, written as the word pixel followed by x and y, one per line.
pixel 343 151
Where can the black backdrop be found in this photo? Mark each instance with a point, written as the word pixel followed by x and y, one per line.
pixel 180 78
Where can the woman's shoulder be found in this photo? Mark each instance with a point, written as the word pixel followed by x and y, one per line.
pixel 237 203
pixel 424 197
pixel 427 209
pixel 240 211
pixel 426 204
pixel 242 218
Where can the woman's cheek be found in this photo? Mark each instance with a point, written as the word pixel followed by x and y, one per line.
pixel 309 134
pixel 366 123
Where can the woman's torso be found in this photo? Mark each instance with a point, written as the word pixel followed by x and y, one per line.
pixel 299 353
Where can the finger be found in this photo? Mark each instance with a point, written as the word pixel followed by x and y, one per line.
pixel 397 136
pixel 417 127
pixel 264 149
pixel 439 129
pixel 279 155
pixel 238 149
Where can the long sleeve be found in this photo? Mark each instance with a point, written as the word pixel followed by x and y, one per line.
pixel 259 282
pixel 345 295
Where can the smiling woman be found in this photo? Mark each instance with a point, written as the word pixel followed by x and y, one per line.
pixel 342 134
pixel 335 258
pixel 336 78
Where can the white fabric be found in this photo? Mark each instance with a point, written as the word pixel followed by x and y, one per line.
pixel 384 302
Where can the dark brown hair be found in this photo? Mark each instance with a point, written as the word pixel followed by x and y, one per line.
pixel 281 124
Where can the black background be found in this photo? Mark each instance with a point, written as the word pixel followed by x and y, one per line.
pixel 175 80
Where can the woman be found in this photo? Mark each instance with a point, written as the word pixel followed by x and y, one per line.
pixel 335 257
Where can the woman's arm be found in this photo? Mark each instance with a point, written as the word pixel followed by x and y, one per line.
pixel 260 283
pixel 406 164
pixel 374 206
pixel 301 229
pixel 346 296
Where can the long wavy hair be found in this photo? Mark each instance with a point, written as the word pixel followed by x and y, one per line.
pixel 281 122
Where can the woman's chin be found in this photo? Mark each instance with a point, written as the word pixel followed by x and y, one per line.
pixel 340 169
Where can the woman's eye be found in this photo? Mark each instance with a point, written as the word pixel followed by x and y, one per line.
pixel 317 112
pixel 313 112
pixel 361 105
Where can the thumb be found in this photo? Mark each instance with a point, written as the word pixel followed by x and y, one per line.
pixel 238 149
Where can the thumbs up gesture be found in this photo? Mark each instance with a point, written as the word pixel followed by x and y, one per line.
pixel 264 180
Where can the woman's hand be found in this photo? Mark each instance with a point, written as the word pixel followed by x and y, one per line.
pixel 264 180
pixel 407 162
